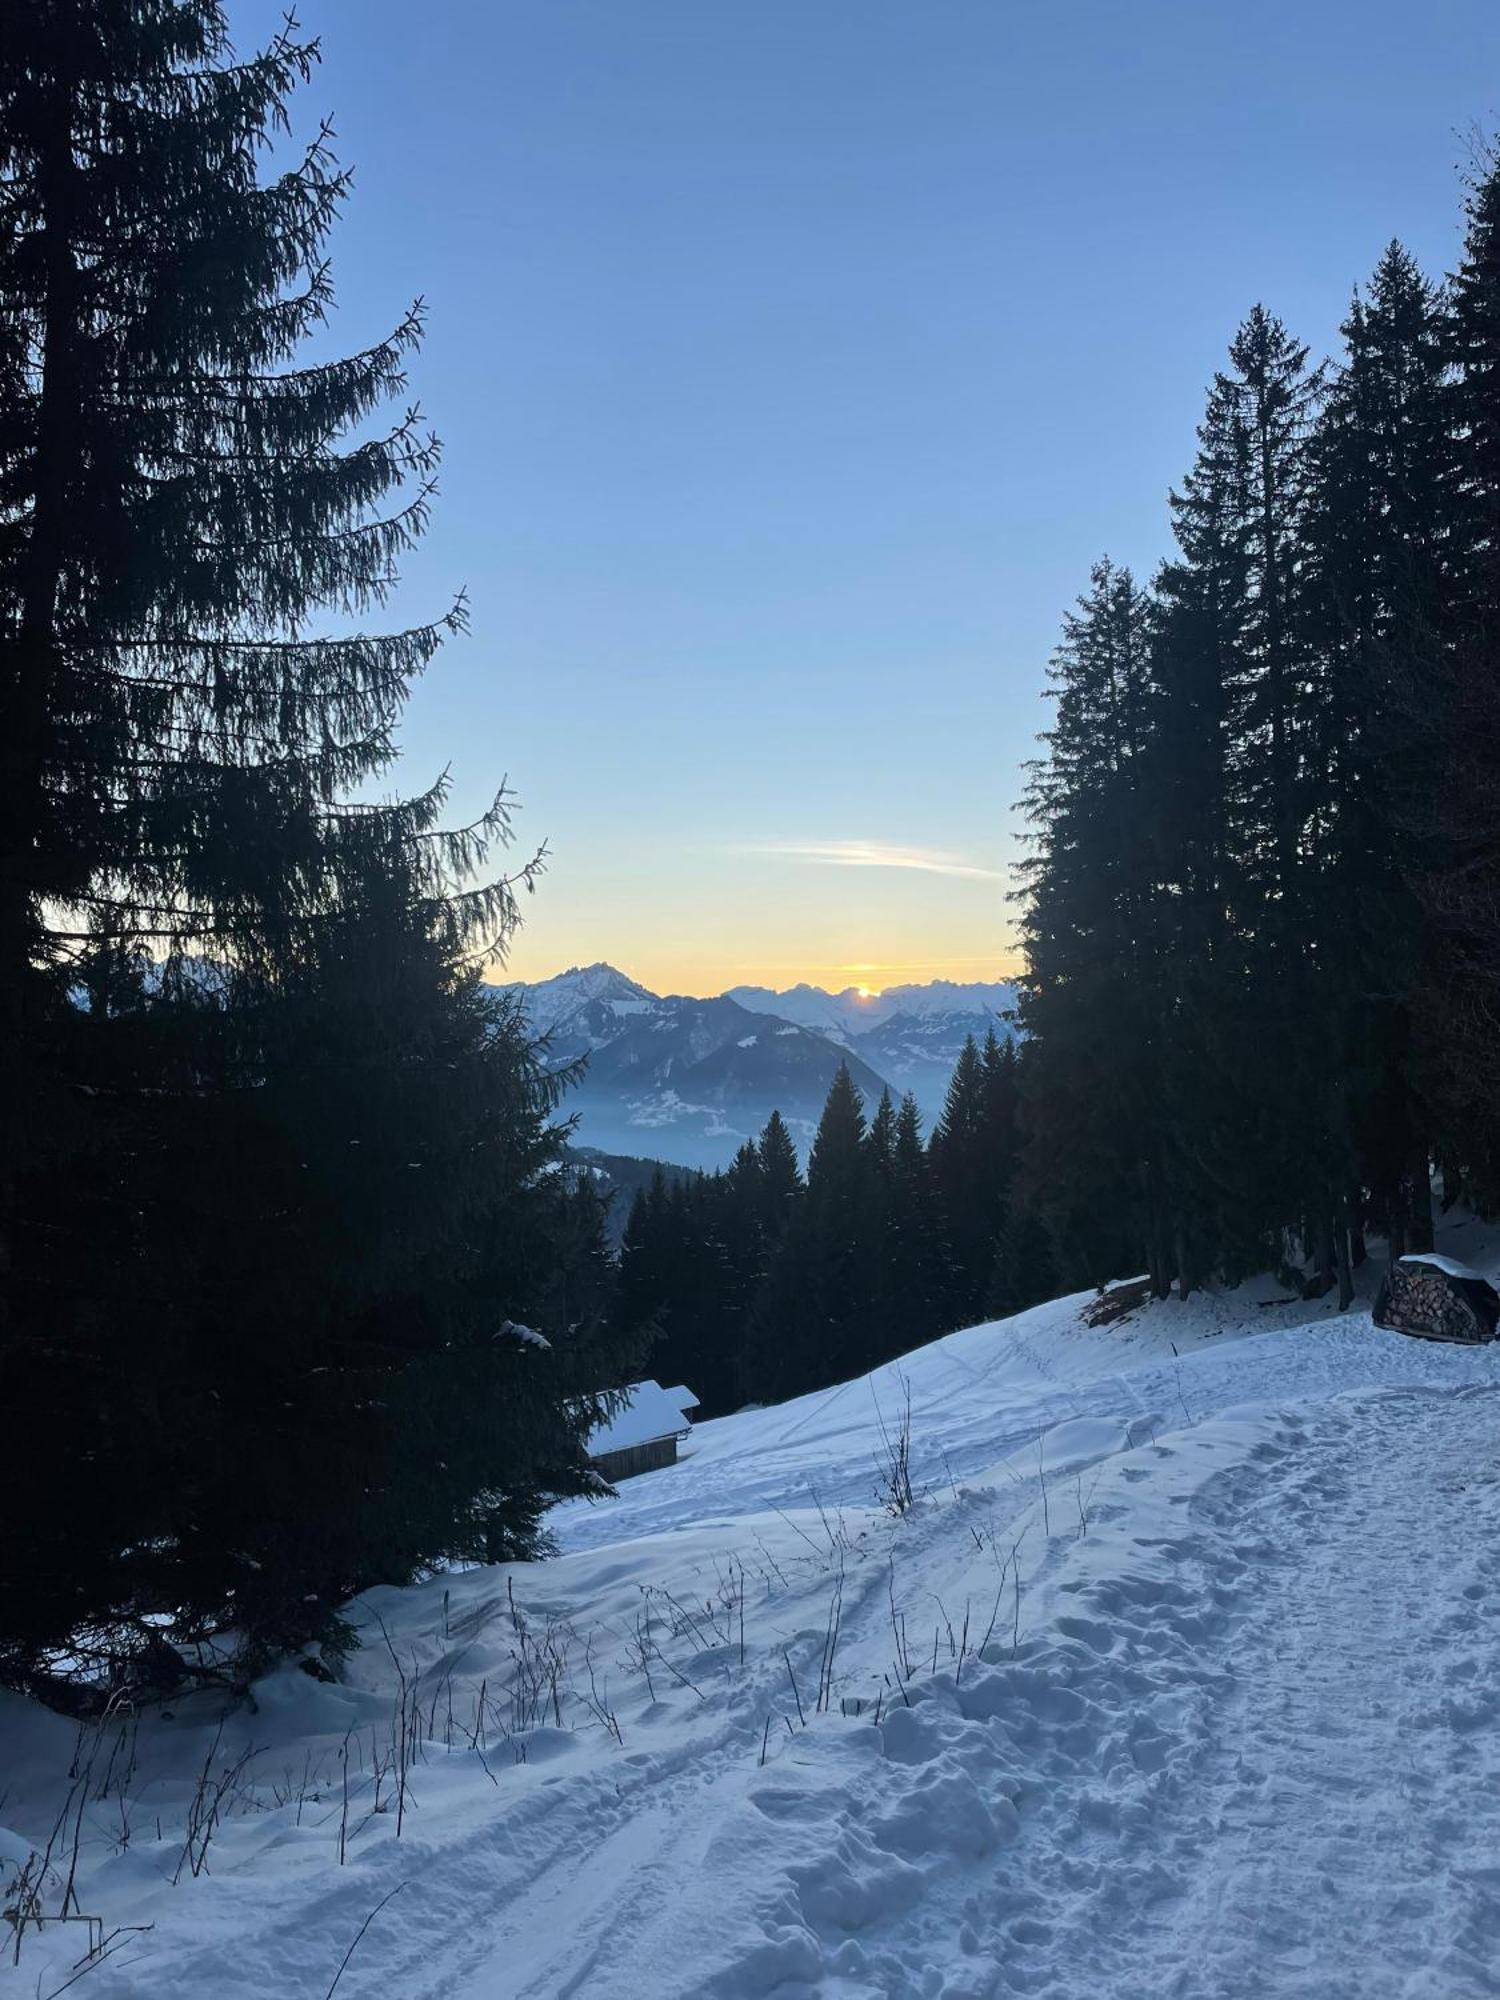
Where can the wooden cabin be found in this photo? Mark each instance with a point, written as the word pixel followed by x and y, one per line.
pixel 643 1434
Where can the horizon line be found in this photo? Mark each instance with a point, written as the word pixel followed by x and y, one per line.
pixel 853 972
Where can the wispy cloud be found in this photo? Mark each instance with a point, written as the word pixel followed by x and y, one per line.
pixel 875 854
pixel 1007 959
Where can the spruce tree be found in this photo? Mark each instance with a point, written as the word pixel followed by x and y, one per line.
pixel 747 1244
pixel 889 1329
pixel 958 1148
pixel 1095 1000
pixel 1233 763
pixel 1383 500
pixel 919 1264
pixel 1263 989
pixel 780 1175
pixel 1459 877
pixel 271 1177
pixel 640 1287
pixel 1474 336
pixel 774 1363
pixel 880 1140
pixel 817 1308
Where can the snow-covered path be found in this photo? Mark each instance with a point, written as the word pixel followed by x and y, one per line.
pixel 1256 1756
pixel 1344 1830
pixel 1200 1696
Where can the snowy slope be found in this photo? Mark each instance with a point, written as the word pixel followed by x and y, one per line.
pixel 1179 1678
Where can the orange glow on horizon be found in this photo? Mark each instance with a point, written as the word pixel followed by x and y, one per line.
pixel 745 917
pixel 670 973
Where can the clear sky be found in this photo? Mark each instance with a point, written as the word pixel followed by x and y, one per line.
pixel 795 358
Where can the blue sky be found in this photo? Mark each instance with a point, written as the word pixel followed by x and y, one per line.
pixel 795 358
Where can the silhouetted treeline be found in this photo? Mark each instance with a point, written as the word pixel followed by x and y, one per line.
pixel 763 1282
pixel 1262 910
pixel 281 1208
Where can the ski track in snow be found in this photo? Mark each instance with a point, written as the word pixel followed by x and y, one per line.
pixel 1240 1736
pixel 1345 1822
pixel 1263 1760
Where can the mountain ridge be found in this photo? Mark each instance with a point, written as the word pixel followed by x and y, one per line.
pixel 689 1078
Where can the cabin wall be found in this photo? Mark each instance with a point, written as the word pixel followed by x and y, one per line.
pixel 614 1465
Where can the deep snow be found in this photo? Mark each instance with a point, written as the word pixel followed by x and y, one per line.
pixel 1181 1678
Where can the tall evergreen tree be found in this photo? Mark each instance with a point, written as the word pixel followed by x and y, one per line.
pixel 1459 883
pixel 744 1230
pixel 1238 708
pixel 191 1294
pixel 1094 999
pixel 880 1140
pixel 920 1271
pixel 815 1312
pixel 638 1292
pixel 890 1329
pixel 841 1221
pixel 964 1186
pixel 780 1175
pixel 1263 988
pixel 1384 490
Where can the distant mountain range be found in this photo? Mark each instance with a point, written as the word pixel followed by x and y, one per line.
pixel 688 1080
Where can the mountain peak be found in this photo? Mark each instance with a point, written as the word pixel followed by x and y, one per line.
pixel 600 973
pixel 687 1080
pixel 551 1002
pixel 855 1011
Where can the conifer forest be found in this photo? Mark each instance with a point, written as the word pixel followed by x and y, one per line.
pixel 300 1290
pixel 1260 905
pixel 749 1001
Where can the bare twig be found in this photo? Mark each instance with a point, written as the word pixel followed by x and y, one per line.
pixel 359 1934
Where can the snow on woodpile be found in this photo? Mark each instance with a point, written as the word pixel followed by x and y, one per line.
pixel 1449 1265
pixel 1437 1298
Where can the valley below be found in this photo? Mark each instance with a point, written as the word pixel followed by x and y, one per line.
pixel 689 1080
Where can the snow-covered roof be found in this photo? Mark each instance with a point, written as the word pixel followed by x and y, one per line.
pixel 648 1413
pixel 1447 1265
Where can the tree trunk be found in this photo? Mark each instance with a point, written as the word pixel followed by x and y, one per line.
pixel 1354 1209
pixel 1184 1277
pixel 1419 1203
pixel 1323 1254
pixel 1341 1246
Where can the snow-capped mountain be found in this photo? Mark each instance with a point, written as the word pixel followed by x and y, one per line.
pixel 839 1016
pixel 919 1038
pixel 910 1035
pixel 916 1051
pixel 853 1013
pixel 678 1078
pixel 586 1005
pixel 987 997
pixel 689 1080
